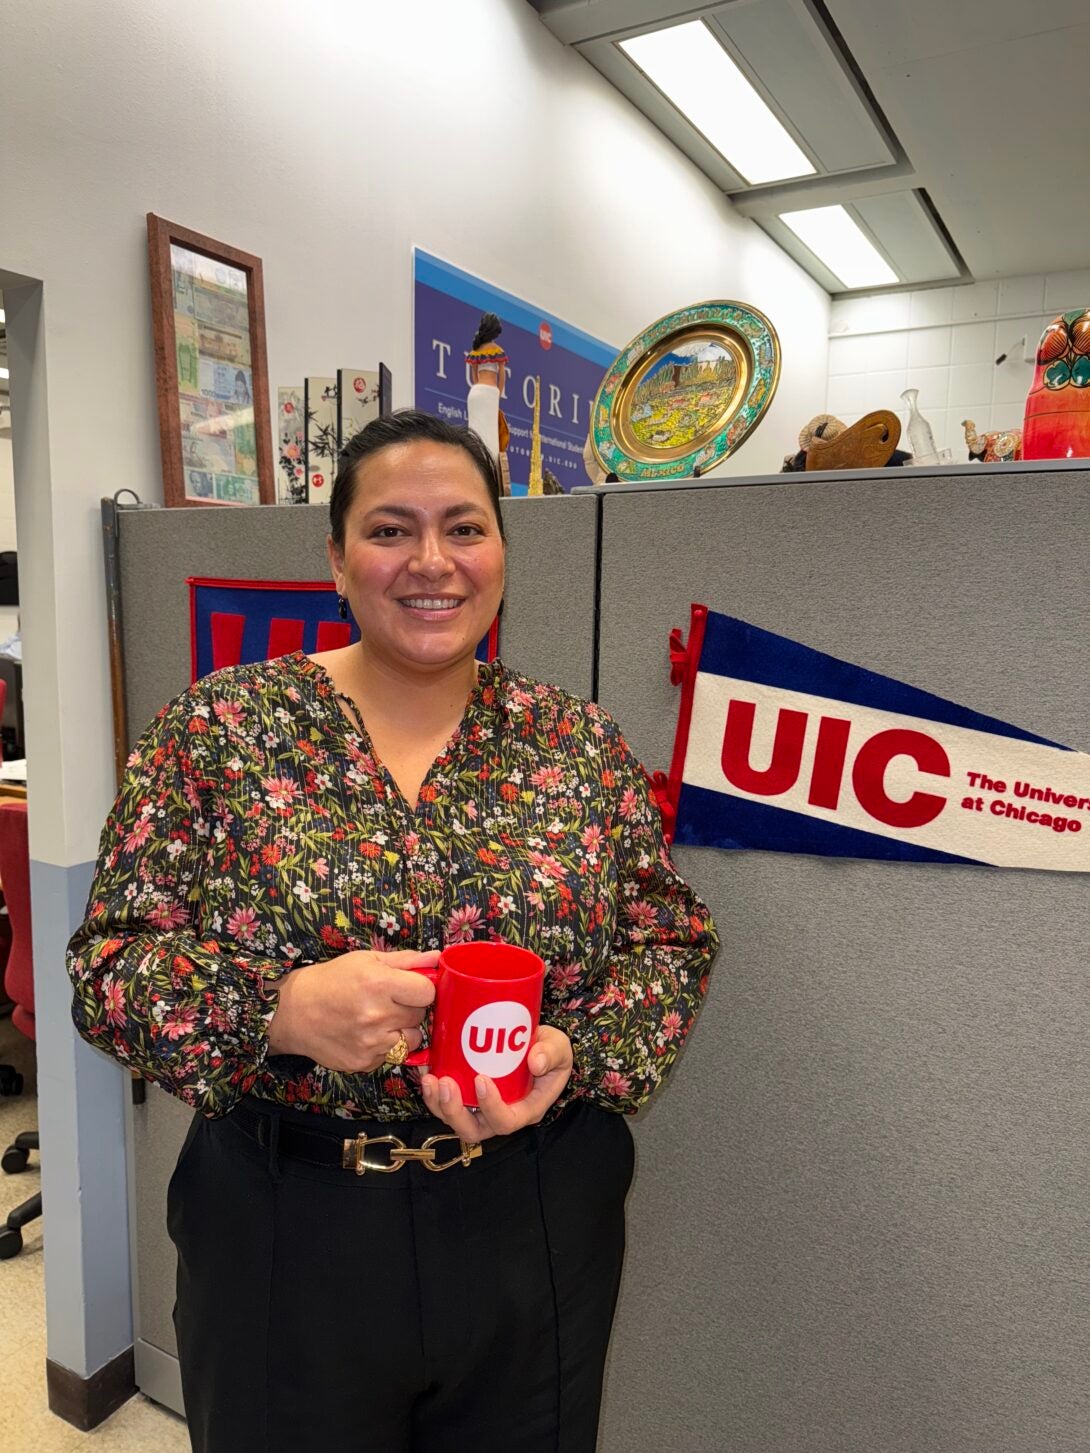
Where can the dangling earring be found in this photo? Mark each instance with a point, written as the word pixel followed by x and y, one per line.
pixel 342 607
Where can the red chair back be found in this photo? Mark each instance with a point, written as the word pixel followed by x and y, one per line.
pixel 15 881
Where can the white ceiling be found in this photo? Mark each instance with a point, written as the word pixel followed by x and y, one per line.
pixel 953 130
pixel 988 99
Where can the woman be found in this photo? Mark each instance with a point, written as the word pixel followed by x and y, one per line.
pixel 292 840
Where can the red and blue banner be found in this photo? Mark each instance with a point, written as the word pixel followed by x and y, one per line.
pixel 234 622
pixel 782 748
pixel 447 306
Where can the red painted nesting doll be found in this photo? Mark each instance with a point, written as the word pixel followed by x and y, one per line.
pixel 1057 424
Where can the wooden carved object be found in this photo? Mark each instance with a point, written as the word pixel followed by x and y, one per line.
pixel 868 444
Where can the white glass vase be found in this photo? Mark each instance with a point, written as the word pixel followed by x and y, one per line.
pixel 919 431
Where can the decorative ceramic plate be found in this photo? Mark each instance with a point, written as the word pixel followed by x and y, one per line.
pixel 686 392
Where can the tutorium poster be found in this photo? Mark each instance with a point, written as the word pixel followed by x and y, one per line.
pixel 448 304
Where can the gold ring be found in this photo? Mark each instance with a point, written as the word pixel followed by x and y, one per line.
pixel 398 1052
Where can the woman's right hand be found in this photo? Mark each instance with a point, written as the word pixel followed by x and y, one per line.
pixel 347 1012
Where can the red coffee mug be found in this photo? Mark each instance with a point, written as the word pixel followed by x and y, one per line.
pixel 486 1012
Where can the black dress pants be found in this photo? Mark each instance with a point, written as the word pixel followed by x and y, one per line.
pixel 462 1312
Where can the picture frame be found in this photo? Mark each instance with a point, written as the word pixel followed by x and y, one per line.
pixel 362 395
pixel 320 447
pixel 686 392
pixel 211 371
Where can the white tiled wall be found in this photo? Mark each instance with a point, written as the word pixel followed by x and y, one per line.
pixel 944 342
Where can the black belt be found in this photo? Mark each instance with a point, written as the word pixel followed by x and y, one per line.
pixel 372 1149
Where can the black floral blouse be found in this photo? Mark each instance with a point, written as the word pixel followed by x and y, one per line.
pixel 255 831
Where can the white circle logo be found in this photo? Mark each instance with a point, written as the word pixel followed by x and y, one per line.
pixel 495 1038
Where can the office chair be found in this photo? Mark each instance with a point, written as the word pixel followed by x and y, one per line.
pixel 19 983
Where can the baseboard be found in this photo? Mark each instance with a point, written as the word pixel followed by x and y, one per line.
pixel 87 1401
pixel 158 1376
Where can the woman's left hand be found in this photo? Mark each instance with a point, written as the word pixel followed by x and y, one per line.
pixel 550 1063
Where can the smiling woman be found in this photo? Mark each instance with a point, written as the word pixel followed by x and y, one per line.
pixel 294 841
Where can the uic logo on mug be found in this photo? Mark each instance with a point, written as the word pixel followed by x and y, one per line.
pixel 495 1038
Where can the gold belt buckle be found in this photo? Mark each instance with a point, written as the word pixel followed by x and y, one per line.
pixel 354 1153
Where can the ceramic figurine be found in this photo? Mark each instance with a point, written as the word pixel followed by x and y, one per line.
pixel 998 447
pixel 487 375
pixel 1057 422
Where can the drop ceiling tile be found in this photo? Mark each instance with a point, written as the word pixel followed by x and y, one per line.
pixel 905 233
pixel 781 47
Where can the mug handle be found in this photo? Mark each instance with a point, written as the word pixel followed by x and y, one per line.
pixel 420 1057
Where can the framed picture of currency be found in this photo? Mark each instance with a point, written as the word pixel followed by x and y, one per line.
pixel 208 318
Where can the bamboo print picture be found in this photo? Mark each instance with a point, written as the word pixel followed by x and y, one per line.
pixel 291 478
pixel 359 400
pixel 320 398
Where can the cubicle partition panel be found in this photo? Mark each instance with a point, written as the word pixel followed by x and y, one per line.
pixel 861 1218
pixel 547 630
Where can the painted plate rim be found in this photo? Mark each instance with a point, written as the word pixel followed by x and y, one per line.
pixel 741 322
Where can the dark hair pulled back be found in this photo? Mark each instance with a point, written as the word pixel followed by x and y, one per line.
pixel 406 426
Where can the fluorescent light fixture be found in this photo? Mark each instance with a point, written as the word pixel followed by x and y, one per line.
pixel 3 316
pixel 4 373
pixel 692 70
pixel 842 245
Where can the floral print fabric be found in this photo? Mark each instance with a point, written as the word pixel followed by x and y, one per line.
pixel 255 831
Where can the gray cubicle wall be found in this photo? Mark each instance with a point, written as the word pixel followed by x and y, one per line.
pixel 861 1220
pixel 547 630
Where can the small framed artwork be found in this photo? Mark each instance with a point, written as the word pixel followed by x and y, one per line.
pixel 320 437
pixel 291 479
pixel 208 319
pixel 362 395
pixel 686 392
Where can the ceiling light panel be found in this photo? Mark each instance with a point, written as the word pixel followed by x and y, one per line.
pixel 691 68
pixel 838 241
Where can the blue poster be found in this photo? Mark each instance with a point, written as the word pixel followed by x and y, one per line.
pixel 448 304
